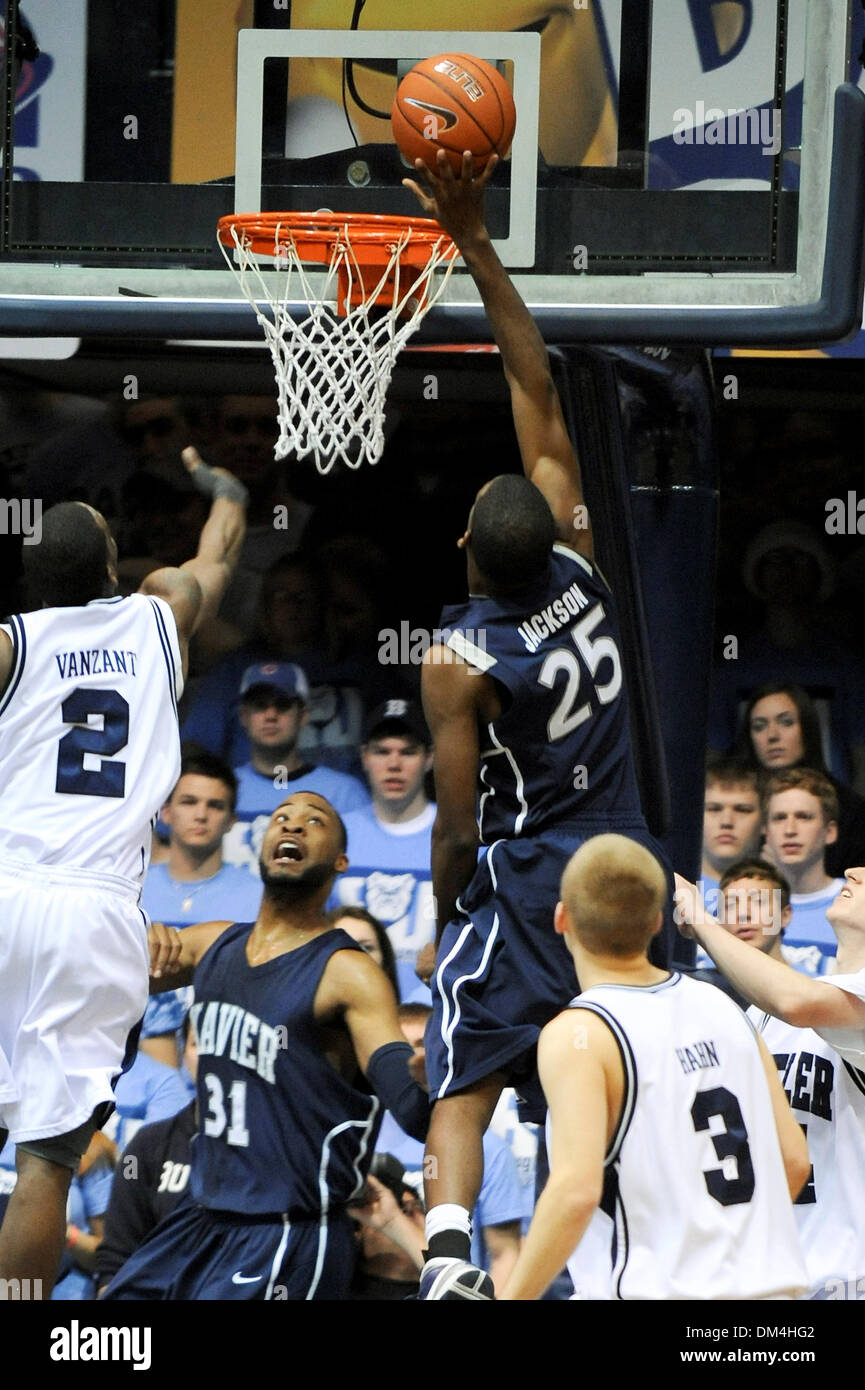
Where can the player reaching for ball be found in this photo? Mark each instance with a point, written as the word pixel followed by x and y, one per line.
pixel 531 736
pixel 89 750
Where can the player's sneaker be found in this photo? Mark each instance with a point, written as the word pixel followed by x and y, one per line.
pixel 449 1278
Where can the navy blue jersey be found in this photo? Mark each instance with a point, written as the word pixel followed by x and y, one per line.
pixel 280 1129
pixel 560 752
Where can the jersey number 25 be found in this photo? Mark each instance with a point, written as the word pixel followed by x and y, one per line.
pixel 567 716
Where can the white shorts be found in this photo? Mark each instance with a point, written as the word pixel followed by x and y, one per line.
pixel 74 968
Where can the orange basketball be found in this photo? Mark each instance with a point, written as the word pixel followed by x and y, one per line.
pixel 453 102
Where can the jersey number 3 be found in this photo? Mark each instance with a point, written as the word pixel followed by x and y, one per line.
pixel 730 1144
pixel 109 779
pixel 567 716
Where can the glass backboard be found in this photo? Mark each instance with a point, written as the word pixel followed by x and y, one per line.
pixel 683 170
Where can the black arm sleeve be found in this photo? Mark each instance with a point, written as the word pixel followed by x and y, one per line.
pixel 390 1078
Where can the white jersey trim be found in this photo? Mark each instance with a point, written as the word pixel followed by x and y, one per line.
pixel 856 1076
pixel 324 1190
pixel 519 785
pixel 623 1245
pixel 561 549
pixel 278 1257
pixel 470 652
pixel 170 650
pixel 448 1028
pixel 15 628
pixel 629 1069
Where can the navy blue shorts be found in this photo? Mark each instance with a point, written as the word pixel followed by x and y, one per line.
pixel 199 1254
pixel 502 972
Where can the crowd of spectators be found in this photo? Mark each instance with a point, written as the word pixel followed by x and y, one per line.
pixel 287 689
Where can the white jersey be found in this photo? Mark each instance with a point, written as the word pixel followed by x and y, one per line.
pixel 89 744
pixel 850 1042
pixel 827 1096
pixel 695 1202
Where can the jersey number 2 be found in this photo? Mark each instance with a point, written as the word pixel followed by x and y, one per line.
pixel 730 1143
pixel 72 776
pixel 566 717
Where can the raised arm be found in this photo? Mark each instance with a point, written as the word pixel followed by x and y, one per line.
pixel 772 985
pixel 450 691
pixel 549 459
pixel 194 591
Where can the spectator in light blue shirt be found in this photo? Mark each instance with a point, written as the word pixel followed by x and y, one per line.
pixel 732 827
pixel 800 808
pixel 194 885
pixel 273 708
pixel 147 1092
pixel 390 840
pixel 731 820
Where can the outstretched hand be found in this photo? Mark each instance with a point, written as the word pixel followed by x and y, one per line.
pixel 456 201
pixel 213 482
pixel 165 946
pixel 689 907
pixel 195 465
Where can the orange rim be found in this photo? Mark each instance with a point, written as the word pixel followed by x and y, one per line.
pixel 372 238
pixel 314 233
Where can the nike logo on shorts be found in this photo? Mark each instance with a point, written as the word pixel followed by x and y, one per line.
pixel 239 1278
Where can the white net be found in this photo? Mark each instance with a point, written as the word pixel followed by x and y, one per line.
pixel 333 370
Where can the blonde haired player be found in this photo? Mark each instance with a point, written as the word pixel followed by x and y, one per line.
pixel 89 750
pixel 657 1085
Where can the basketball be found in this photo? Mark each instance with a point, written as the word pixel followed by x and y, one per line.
pixel 453 102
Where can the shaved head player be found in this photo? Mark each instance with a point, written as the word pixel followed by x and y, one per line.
pixel 292 1019
pixel 532 754
pixel 89 751
pixel 657 1085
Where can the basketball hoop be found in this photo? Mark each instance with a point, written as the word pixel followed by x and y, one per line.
pixel 333 367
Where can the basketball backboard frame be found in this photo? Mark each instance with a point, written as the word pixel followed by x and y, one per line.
pixel 255 46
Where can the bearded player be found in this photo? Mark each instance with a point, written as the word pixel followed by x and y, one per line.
pixel 293 1020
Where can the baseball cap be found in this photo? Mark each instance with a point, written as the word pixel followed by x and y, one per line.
pixel 406 713
pixel 276 675
pixel 788 535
